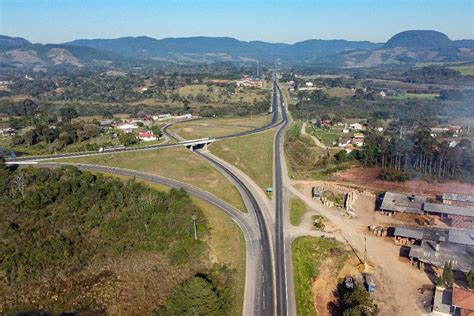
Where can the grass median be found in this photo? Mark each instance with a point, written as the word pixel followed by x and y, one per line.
pixel 253 154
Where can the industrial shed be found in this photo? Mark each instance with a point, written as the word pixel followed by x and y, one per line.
pixel 399 202
pixel 438 253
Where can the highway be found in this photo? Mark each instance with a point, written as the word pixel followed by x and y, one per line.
pixel 280 267
pixel 265 295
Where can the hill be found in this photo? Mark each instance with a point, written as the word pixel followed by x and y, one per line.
pixel 221 48
pixel 18 53
pixel 405 48
pixel 7 42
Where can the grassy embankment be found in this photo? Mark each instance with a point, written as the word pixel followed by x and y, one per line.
pixel 253 154
pixel 226 242
pixel 309 256
pixel 176 163
pixel 297 210
pixel 466 70
pixel 214 127
pixel 305 160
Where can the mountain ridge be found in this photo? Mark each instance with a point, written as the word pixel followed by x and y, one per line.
pixel 407 47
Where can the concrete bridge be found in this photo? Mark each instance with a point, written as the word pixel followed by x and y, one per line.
pixel 194 144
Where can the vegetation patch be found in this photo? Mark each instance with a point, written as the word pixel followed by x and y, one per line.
pixel 297 210
pixel 309 254
pixel 60 223
pixel 252 154
pixel 308 161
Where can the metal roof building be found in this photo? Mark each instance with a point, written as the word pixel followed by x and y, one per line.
pixel 448 209
pixel 458 197
pixel 399 202
pixel 452 235
pixel 437 254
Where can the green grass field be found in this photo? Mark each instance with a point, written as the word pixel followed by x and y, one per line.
pixel 219 126
pixel 467 70
pixel 297 210
pixel 213 92
pixel 226 242
pixel 176 163
pixel 309 254
pixel 252 154
pixel 340 92
pixel 406 96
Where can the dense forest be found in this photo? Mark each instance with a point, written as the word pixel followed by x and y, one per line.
pixel 71 240
pixel 365 105
pixel 419 154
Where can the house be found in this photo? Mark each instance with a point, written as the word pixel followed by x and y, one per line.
pixel 356 126
pixel 7 132
pixel 126 127
pixel 345 130
pixel 308 84
pixel 456 130
pixel 147 136
pixel 463 301
pixel 161 117
pixel 358 139
pixel 185 117
pixel 326 124
pixel 106 123
pixel 344 141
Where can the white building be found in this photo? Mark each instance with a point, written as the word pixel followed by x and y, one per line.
pixel 127 127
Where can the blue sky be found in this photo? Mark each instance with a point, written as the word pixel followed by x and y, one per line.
pixel 56 21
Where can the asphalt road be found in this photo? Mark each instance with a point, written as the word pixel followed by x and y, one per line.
pixel 280 271
pixel 265 294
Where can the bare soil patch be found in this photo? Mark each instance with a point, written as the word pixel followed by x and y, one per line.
pixel 368 178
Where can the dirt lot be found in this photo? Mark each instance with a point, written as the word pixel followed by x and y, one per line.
pixel 368 178
pixel 393 274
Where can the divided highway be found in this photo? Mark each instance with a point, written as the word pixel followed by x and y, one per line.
pixel 280 270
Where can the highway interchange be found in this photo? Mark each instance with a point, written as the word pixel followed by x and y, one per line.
pixel 267 281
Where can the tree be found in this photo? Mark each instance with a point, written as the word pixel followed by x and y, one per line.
pixel 448 276
pixel 470 279
pixel 195 296
pixel 107 115
pixel 28 108
pixel 127 139
pixel 185 105
pixel 358 302
pixel 68 113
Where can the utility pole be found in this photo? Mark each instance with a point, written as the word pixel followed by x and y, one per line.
pixel 365 251
pixel 194 218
